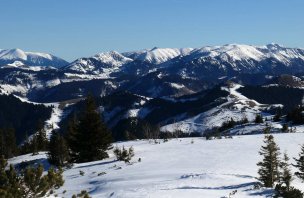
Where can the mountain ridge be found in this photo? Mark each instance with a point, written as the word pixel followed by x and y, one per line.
pixel 10 56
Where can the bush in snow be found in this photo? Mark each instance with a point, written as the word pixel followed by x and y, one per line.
pixel 82 194
pixel 124 154
pixel 31 183
pixel 291 192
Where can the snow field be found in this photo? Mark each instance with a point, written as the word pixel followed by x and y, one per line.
pixel 179 168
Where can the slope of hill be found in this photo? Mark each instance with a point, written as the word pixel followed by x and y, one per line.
pixel 177 168
pixel 22 116
pixel 237 107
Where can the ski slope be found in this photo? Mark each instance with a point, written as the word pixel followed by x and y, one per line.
pixel 178 168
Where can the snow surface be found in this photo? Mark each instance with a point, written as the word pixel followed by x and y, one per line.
pixel 178 168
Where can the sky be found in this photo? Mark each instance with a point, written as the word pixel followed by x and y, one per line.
pixel 72 28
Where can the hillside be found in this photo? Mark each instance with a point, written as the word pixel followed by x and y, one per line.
pixel 177 168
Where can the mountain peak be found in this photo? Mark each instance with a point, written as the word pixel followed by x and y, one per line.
pixel 154 48
pixel 274 46
pixel 9 56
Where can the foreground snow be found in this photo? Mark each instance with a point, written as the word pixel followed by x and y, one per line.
pixel 179 168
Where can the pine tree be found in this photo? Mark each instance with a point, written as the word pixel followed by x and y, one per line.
pixel 54 178
pixel 58 151
pixel 3 177
pixel 11 143
pixel 286 175
pixel 9 181
pixel 300 164
pixel 278 115
pixel 2 143
pixel 269 166
pixel 70 137
pixel 37 185
pixel 8 146
pixel 34 145
pixel 42 141
pixel 258 118
pixel 285 128
pixel 92 137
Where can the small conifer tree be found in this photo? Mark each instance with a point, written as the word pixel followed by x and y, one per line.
pixel 300 164
pixel 269 166
pixel 58 151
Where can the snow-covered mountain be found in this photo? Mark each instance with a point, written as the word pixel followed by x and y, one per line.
pixel 103 63
pixel 157 72
pixel 12 56
pixel 229 60
pixel 157 55
pixel 206 62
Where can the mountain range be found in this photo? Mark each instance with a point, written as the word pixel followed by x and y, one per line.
pixel 157 72
pixel 188 89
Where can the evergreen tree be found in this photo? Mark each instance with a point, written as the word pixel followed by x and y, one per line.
pixel 277 116
pixel 9 181
pixel 25 147
pixel 282 192
pixel 269 166
pixel 11 145
pixel 2 143
pixel 92 138
pixel 34 145
pixel 285 128
pixel 300 164
pixel 70 137
pixel 54 178
pixel 34 182
pixel 42 141
pixel 37 185
pixel 31 184
pixel 286 175
pixel 8 146
pixel 259 118
pixel 58 151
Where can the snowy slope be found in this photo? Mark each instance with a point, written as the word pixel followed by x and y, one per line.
pixel 246 52
pixel 177 168
pixel 237 108
pixel 103 63
pixel 30 58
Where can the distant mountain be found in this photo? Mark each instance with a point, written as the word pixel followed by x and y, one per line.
pixel 203 63
pixel 103 63
pixel 17 57
pixel 230 60
pixel 157 72
pixel 157 55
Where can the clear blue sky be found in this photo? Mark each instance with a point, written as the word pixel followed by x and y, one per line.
pixel 74 28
